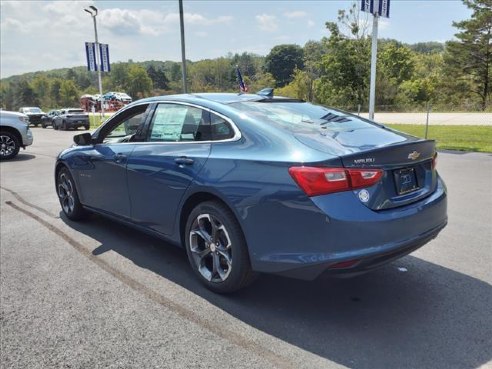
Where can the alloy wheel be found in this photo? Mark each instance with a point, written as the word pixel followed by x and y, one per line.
pixel 7 146
pixel 211 248
pixel 66 193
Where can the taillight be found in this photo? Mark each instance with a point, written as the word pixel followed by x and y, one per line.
pixel 320 181
pixel 434 161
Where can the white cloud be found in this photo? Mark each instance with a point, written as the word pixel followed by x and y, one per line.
pixel 311 23
pixel 154 23
pixel 295 14
pixel 267 22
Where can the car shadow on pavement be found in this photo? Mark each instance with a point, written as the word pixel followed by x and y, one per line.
pixel 23 157
pixel 409 314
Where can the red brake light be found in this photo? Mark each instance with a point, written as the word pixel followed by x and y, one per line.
pixel 434 161
pixel 319 181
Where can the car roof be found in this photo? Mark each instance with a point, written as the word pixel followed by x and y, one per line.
pixel 221 98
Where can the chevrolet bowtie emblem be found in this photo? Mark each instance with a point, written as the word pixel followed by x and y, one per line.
pixel 414 155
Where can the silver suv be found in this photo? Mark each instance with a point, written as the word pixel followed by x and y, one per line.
pixel 14 133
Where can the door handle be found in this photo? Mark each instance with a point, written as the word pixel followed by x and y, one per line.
pixel 183 160
pixel 120 158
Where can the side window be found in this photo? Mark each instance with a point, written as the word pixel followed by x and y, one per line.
pixel 221 129
pixel 179 123
pixel 127 128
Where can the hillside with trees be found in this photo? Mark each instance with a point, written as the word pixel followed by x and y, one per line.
pixel 334 71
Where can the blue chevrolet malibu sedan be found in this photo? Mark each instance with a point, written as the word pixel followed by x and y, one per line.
pixel 252 184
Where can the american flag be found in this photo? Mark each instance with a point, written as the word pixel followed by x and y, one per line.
pixel 242 85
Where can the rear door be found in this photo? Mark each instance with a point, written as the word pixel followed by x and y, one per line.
pixel 161 169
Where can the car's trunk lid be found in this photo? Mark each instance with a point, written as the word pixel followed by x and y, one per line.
pixel 406 161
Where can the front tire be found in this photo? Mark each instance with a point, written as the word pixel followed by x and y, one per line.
pixel 68 196
pixel 9 145
pixel 216 248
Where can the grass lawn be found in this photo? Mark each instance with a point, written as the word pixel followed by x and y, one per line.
pixel 463 138
pixel 96 120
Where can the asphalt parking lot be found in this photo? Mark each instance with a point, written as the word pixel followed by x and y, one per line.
pixel 97 294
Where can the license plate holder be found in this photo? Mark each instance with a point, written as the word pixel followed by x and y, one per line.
pixel 406 181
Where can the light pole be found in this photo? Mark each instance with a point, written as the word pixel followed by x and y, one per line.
pixel 183 56
pixel 93 12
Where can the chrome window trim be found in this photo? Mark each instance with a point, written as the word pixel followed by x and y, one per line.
pixel 237 133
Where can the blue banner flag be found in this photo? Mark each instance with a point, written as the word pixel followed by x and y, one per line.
pixel 367 6
pixel 90 52
pixel 104 53
pixel 242 85
pixel 384 8
pixel 376 7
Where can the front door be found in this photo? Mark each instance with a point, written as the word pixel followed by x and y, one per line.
pixel 104 183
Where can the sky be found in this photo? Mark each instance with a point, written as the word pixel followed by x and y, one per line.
pixel 43 35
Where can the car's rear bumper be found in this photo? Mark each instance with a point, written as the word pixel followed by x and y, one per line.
pixel 363 261
pixel 76 122
pixel 305 243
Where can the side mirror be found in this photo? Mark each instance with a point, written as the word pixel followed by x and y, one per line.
pixel 83 139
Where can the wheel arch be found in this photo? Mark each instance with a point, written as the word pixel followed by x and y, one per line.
pixel 194 200
pixel 13 131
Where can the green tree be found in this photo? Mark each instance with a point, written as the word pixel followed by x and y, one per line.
pixel 158 77
pixel 69 95
pixel 119 75
pixel 345 70
pixel 313 54
pixel 55 92
pixel 41 86
pixel 281 62
pixel 139 83
pixel 299 88
pixel 6 96
pixel 24 95
pixel 470 57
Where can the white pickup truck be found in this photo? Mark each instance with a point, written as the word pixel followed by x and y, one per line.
pixel 14 133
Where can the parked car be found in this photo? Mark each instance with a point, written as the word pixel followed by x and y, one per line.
pixel 48 119
pixel 14 133
pixel 249 183
pixel 71 118
pixel 35 114
pixel 118 96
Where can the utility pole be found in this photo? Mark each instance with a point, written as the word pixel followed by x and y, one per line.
pixel 183 56
pixel 93 12
pixel 374 53
pixel 378 8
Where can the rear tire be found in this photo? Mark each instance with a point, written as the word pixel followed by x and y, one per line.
pixel 216 248
pixel 9 145
pixel 86 128
pixel 68 196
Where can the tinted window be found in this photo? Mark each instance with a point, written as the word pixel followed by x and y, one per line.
pixel 221 129
pixel 127 126
pixel 298 114
pixel 175 123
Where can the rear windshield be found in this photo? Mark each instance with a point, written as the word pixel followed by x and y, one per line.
pixel 32 110
pixel 72 111
pixel 300 114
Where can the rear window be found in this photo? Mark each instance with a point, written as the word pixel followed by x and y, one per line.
pixel 32 110
pixel 300 115
pixel 75 111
